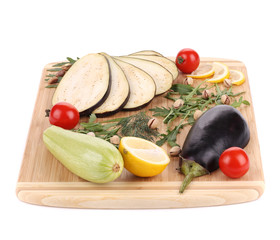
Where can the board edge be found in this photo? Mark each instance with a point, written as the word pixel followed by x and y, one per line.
pixel 136 195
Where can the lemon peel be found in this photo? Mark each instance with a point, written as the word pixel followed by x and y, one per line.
pixel 236 77
pixel 221 73
pixel 204 70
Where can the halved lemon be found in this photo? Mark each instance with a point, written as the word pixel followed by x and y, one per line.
pixel 221 72
pixel 143 158
pixel 204 70
pixel 236 77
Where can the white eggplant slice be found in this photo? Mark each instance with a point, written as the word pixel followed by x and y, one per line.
pixel 146 52
pixel 161 76
pixel 86 84
pixel 163 61
pixel 141 84
pixel 119 93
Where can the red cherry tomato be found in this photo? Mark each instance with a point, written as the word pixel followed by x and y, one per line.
pixel 64 115
pixel 187 60
pixel 234 162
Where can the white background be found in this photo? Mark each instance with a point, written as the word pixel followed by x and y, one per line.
pixel 34 33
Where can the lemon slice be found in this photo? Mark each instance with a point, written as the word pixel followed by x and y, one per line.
pixel 143 158
pixel 204 70
pixel 236 77
pixel 221 73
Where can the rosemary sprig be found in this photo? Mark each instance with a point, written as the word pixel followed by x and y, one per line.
pixel 54 69
pixel 55 73
pixel 52 86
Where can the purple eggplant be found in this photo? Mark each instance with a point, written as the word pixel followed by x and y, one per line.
pixel 218 129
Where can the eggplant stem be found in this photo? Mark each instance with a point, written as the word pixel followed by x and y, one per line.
pixel 191 170
pixel 187 180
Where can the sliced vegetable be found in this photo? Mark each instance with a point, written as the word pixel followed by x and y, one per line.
pixel 234 162
pixel 142 86
pixel 163 61
pixel 119 92
pixel 161 76
pixel 90 158
pixel 146 52
pixel 187 60
pixel 236 77
pixel 221 72
pixel 86 85
pixel 64 115
pixel 218 129
pixel 204 70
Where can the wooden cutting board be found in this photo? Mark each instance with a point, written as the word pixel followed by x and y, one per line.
pixel 44 181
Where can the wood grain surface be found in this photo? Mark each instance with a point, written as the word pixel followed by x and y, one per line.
pixel 43 180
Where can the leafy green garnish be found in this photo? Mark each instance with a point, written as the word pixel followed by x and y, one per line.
pixel 135 126
pixel 182 89
pixel 52 86
pixel 171 136
pixel 240 102
pixel 55 69
pixel 193 100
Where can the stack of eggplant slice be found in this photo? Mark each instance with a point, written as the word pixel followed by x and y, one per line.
pixel 102 84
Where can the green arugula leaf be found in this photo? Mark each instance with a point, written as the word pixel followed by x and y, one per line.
pixel 160 111
pixel 182 89
pixel 54 69
pixel 52 86
pixel 60 64
pixel 92 118
pixel 192 101
pixel 245 102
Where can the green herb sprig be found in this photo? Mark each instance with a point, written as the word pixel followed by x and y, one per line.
pixel 54 76
pixel 134 125
pixel 193 100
